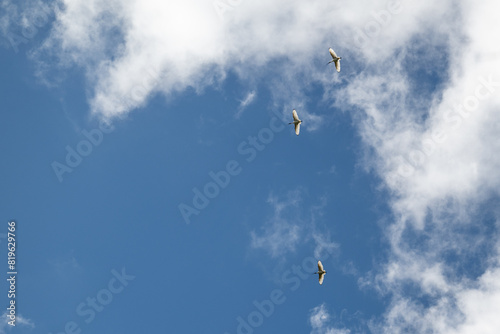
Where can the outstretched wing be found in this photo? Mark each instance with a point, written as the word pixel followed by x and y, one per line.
pixel 297 128
pixel 337 65
pixel 334 55
pixel 321 278
pixel 320 266
pixel 295 116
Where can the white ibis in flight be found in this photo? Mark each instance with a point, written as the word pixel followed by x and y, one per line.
pixel 296 121
pixel 336 59
pixel 321 272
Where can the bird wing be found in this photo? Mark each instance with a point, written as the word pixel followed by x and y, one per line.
pixel 297 128
pixel 320 266
pixel 295 116
pixel 337 65
pixel 334 55
pixel 321 278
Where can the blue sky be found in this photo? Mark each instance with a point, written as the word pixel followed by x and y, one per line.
pixel 392 183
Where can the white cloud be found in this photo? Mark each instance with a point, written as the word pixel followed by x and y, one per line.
pixel 318 316
pixel 466 310
pixel 281 233
pixel 65 264
pixel 131 49
pixel 21 21
pixel 20 321
pixel 294 223
pixel 249 98
pixel 320 321
pixel 323 243
pixel 436 153
pixel 481 305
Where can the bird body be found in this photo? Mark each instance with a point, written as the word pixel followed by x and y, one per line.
pixel 321 272
pixel 336 59
pixel 296 122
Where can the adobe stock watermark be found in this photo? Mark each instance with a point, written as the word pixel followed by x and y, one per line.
pixel 89 308
pixel 454 117
pixel 381 19
pixel 36 19
pixel 223 6
pixel 94 137
pixel 74 157
pixel 248 148
pixel 292 278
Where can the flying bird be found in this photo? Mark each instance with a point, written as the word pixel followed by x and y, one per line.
pixel 296 121
pixel 336 59
pixel 321 272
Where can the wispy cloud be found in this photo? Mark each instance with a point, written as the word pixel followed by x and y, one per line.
pixel 324 322
pixel 20 321
pixel 65 265
pixel 249 98
pixel 318 318
pixel 281 233
pixel 293 223
pixel 21 22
